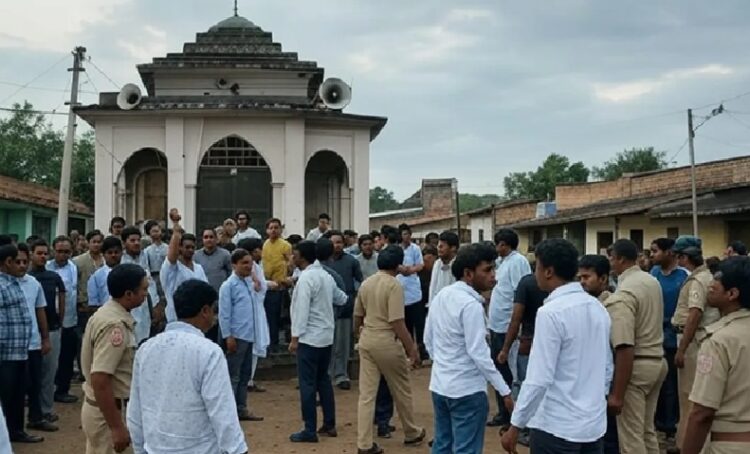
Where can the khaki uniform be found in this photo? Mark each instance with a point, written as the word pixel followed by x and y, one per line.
pixel 381 301
pixel 693 294
pixel 108 347
pixel 722 379
pixel 637 311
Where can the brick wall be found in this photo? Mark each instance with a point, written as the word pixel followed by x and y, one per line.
pixel 515 213
pixel 438 198
pixel 714 174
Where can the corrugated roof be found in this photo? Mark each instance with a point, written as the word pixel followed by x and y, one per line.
pixel 730 201
pixel 35 194
pixel 384 214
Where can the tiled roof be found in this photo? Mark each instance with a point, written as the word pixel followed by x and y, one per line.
pixel 35 194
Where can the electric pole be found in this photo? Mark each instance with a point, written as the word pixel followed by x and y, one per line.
pixel 694 195
pixel 63 202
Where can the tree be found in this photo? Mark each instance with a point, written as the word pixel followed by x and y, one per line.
pixel 469 202
pixel 631 161
pixel 31 150
pixel 381 200
pixel 540 184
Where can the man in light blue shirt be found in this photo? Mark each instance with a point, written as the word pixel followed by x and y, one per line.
pixel 312 337
pixel 414 312
pixel 237 323
pixel 97 286
pixel 180 395
pixel 40 343
pixel 132 253
pixel 61 264
pixel 511 267
pixel 179 265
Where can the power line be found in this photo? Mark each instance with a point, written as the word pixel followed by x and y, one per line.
pixel 44 112
pixel 118 86
pixel 57 90
pixel 738 121
pixel 724 142
pixel 91 82
pixel 34 79
pixel 682 147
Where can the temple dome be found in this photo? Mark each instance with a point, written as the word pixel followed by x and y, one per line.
pixel 235 22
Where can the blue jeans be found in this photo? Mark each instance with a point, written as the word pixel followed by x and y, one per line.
pixel 312 369
pixel 522 364
pixel 240 369
pixel 668 407
pixel 383 404
pixel 459 423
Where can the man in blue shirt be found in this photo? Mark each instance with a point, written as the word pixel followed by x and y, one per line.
pixel 409 279
pixel 61 264
pixel 670 277
pixel 237 327
pixel 511 267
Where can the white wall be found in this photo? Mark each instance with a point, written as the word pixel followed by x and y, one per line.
pixel 285 143
pixel 483 222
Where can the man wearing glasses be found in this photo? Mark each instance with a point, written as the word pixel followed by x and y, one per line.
pixel 62 265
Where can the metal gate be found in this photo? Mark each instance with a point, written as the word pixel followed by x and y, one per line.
pixel 233 176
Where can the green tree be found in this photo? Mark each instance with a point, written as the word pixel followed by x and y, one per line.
pixel 381 200
pixel 631 161
pixel 31 150
pixel 469 202
pixel 540 183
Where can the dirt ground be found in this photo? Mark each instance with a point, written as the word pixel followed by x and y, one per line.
pixel 280 407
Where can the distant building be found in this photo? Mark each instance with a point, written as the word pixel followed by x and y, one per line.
pixel 232 122
pixel 649 205
pixel 29 208
pixel 484 222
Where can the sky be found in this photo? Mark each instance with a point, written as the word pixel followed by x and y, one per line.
pixel 472 89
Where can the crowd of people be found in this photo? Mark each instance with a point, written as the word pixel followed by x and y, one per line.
pixel 584 354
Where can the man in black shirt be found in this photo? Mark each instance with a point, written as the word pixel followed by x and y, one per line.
pixel 54 292
pixel 527 301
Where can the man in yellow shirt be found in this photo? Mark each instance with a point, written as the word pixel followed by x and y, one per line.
pixel 276 260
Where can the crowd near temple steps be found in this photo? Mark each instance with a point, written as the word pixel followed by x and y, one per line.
pixel 229 245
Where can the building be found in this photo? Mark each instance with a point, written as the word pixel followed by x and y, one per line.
pixel 649 205
pixel 231 122
pixel 484 222
pixel 29 208
pixel 431 209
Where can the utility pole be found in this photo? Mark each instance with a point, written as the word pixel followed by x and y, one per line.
pixel 694 195
pixel 63 202
pixel 454 186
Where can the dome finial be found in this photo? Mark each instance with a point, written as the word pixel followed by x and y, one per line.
pixel 235 8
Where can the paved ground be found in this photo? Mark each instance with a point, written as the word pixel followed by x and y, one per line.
pixel 280 407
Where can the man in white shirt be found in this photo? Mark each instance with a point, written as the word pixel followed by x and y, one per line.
pixel 563 399
pixel 462 366
pixel 442 276
pixel 179 265
pixel 243 227
pixel 180 398
pixel 324 224
pixel 312 337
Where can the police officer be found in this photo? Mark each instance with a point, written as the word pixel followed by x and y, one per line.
pixel 721 393
pixel 690 319
pixel 636 309
pixel 107 354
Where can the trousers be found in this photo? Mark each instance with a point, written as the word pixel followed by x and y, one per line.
pixel 635 425
pixel 342 347
pixel 240 370
pixel 545 443
pixel 380 353
pixel 685 379
pixel 12 393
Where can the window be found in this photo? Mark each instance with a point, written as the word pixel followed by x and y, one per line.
pixel 233 152
pixel 673 232
pixel 481 235
pixel 536 237
pixel 42 226
pixel 636 236
pixel 603 241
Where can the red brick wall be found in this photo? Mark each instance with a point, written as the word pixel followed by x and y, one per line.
pixel 715 174
pixel 438 198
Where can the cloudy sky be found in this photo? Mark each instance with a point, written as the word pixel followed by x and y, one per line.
pixel 472 89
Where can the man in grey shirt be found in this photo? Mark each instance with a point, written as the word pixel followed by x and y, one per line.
pixel 216 261
pixel 217 264
pixel 368 258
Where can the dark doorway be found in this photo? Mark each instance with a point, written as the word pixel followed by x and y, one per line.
pixel 233 176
